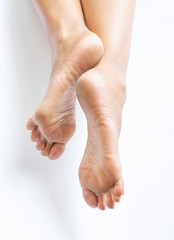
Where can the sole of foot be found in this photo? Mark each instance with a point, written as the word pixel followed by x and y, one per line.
pixel 101 94
pixel 53 122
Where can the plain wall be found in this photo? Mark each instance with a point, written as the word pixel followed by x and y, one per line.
pixel 41 199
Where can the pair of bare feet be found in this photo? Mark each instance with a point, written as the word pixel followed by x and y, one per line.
pixel 82 69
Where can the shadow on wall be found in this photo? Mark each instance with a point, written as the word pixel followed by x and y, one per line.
pixel 32 63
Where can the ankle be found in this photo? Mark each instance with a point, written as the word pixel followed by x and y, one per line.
pixel 118 87
pixel 66 34
pixel 64 39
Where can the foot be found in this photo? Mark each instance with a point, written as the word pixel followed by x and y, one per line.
pixel 53 123
pixel 101 93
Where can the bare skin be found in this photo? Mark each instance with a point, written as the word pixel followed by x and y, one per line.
pixel 53 123
pixel 100 169
pixel 102 92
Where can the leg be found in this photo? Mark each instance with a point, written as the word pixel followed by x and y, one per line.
pixel 104 90
pixel 74 51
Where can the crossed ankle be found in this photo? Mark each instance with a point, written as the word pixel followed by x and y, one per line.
pixel 65 38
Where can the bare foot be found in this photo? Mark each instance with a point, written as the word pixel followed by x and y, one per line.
pixel 101 93
pixel 53 123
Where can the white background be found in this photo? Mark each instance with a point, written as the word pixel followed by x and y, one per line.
pixel 41 199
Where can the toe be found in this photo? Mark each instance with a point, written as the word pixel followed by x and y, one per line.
pixel 35 135
pixel 118 189
pixel 40 145
pixel 109 200
pixel 30 124
pixel 46 150
pixel 56 151
pixel 116 198
pixel 90 198
pixel 102 202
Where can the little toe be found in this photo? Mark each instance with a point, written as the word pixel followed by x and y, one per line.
pixel 90 198
pixel 102 202
pixel 109 200
pixel 35 134
pixel 46 150
pixel 30 124
pixel 56 150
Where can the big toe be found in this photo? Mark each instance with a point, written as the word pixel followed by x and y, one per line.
pixel 90 198
pixel 118 190
pixel 56 151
